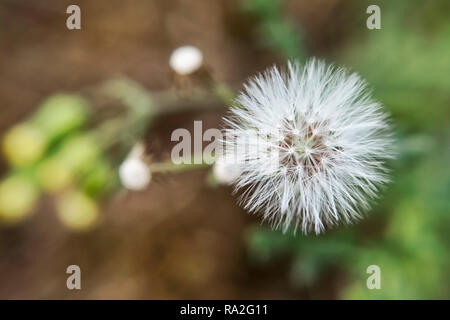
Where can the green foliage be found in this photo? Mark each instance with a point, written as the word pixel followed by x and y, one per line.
pixel 408 63
pixel 275 31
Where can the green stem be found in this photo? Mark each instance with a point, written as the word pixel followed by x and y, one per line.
pixel 169 166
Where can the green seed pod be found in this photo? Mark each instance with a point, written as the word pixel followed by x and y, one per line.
pixel 54 175
pixel 18 195
pixel 100 179
pixel 77 211
pixel 24 144
pixel 80 152
pixel 61 114
pixel 69 164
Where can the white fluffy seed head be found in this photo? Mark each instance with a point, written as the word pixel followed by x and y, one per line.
pixel 134 173
pixel 311 144
pixel 186 60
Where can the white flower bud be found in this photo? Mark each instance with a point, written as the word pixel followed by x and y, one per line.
pixel 226 171
pixel 134 173
pixel 186 60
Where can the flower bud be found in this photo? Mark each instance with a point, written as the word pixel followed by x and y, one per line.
pixel 77 211
pixel 18 195
pixel 186 60
pixel 134 173
pixel 23 144
pixel 226 171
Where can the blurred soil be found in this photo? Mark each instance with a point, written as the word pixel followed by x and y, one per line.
pixel 180 238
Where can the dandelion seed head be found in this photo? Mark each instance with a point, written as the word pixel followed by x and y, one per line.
pixel 311 144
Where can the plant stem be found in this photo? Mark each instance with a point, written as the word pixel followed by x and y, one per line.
pixel 169 166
